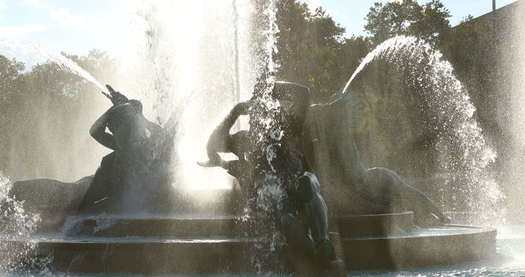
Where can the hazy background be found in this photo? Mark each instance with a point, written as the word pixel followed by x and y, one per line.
pixel 46 113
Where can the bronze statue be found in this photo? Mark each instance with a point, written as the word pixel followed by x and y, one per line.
pixel 303 220
pixel 136 167
pixel 350 186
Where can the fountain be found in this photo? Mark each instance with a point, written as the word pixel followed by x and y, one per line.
pixel 196 215
pixel 201 223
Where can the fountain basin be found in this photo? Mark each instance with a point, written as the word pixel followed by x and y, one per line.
pixel 185 245
pixel 359 225
pixel 98 226
pixel 422 247
pixel 143 255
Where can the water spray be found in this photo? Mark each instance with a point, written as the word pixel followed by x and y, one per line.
pixel 33 54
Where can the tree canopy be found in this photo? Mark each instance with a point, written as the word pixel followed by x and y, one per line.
pixel 407 17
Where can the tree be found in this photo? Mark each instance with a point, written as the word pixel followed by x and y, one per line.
pixel 407 17
pixel 309 47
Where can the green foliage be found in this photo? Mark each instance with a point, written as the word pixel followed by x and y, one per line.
pixel 312 49
pixel 428 21
pixel 9 78
pixel 393 18
pixel 309 45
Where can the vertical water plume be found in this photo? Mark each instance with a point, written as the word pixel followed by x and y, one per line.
pixel 266 135
pixel 236 50
pixel 465 156
pixel 190 60
pixel 264 124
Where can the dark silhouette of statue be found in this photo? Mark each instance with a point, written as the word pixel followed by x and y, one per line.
pixel 304 217
pixel 127 178
pixel 317 142
pixel 349 185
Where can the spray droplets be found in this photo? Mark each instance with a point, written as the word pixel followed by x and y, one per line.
pixel 17 224
pixel 33 54
pixel 465 155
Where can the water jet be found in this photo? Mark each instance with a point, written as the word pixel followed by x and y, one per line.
pixel 198 223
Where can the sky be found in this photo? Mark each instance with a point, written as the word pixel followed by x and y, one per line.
pixel 77 26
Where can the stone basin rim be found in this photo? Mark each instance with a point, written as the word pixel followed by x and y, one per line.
pixel 154 217
pixel 472 230
pixel 344 215
pixel 129 240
